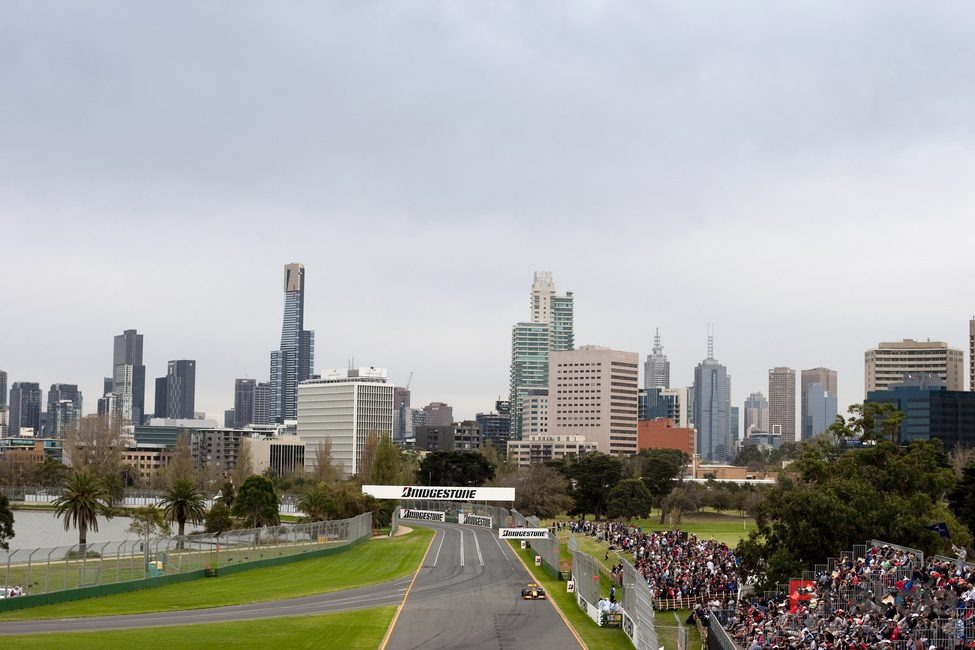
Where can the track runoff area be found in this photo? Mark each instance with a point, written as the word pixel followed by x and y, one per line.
pixel 467 592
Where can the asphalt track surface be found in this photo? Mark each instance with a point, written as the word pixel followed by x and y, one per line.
pixel 467 594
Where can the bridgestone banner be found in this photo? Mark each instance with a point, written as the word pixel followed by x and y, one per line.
pixel 473 520
pixel 422 515
pixel 523 533
pixel 436 493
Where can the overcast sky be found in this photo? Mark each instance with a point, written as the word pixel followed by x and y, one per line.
pixel 799 174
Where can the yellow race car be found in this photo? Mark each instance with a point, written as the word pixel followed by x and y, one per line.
pixel 533 592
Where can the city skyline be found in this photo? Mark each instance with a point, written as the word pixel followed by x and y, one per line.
pixel 558 144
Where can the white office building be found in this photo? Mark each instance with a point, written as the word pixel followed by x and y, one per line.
pixel 344 406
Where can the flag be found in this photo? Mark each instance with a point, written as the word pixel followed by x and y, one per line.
pixel 941 529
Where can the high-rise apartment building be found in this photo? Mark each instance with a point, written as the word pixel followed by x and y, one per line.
pixel 496 426
pixel 3 390
pixel 551 329
pixel 818 401
pixel 712 408
pixel 129 376
pixel 402 415
pixel 344 406
pixel 756 413
pixel 890 362
pixel 782 403
pixel 244 390
pixel 656 369
pixel 64 402
pixel 180 389
pixel 971 355
pixel 262 403
pixel 438 414
pixel 592 392
pixel 671 403
pixel 293 362
pixel 25 408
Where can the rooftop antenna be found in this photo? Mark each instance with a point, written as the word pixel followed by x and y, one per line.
pixel 710 341
pixel 657 348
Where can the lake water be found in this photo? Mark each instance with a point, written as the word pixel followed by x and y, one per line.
pixel 40 528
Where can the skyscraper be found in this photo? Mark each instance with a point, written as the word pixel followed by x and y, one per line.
pixel 293 361
pixel 64 402
pixel 3 390
pixel 656 369
pixel 756 413
pixel 244 393
pixel 782 403
pixel 25 407
pixel 438 414
pixel 735 431
pixel 402 416
pixel 496 426
pixel 712 408
pixel 890 362
pixel 262 403
pixel 160 408
pixel 550 329
pixel 181 389
pixel 971 355
pixel 592 392
pixel 129 376
pixel 818 401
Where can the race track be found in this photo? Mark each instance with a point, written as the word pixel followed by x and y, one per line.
pixel 468 595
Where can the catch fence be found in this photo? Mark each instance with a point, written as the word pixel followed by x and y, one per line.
pixel 48 570
pixel 638 616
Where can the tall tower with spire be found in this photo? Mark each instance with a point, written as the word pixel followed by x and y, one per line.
pixel 712 408
pixel 293 362
pixel 656 369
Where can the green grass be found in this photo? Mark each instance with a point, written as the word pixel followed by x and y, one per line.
pixel 666 626
pixel 727 528
pixel 594 636
pixel 371 562
pixel 364 628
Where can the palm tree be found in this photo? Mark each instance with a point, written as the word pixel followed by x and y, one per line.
pixel 316 502
pixel 83 500
pixel 184 502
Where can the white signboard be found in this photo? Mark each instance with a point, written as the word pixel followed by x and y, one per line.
pixel 523 533
pixel 422 515
pixel 438 493
pixel 473 520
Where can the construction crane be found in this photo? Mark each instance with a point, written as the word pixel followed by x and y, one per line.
pixel 409 381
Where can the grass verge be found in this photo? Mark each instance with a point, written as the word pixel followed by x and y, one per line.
pixel 372 562
pixel 594 636
pixel 666 626
pixel 348 630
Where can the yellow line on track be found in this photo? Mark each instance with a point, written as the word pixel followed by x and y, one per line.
pixel 389 631
pixel 582 644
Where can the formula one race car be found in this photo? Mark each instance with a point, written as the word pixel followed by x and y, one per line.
pixel 533 592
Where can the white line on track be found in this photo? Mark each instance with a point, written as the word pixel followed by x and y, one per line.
pixel 478 547
pixel 443 534
pixel 461 530
pixel 503 554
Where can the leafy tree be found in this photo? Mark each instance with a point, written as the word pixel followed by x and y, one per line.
pixel 752 456
pixel 228 493
pixel 325 469
pixel 721 499
pixel 385 462
pixel 347 500
pixel 6 522
pixel 962 498
pixel 366 458
pixel 244 464
pixel 593 475
pixel 831 500
pixel 541 491
pixel 50 473
pixel 84 500
pixel 218 519
pixel 148 522
pixel 316 502
pixel 257 503
pixel 114 486
pixel 184 502
pixel 181 465
pixel 869 421
pixel 454 468
pixel 659 468
pixel 678 502
pixel 628 499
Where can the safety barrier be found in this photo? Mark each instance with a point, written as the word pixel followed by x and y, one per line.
pixel 71 568
pixel 638 605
